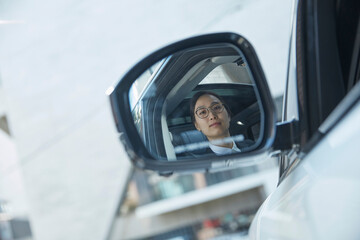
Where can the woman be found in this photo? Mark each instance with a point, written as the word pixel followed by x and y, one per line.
pixel 211 116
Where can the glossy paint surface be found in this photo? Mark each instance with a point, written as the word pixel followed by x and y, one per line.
pixel 320 199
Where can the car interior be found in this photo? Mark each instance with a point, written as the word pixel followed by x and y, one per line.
pixel 245 117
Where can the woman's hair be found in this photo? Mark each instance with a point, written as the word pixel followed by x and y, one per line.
pixel 197 96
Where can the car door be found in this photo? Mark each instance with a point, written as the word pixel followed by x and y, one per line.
pixel 317 196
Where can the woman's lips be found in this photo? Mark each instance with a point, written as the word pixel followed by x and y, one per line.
pixel 214 124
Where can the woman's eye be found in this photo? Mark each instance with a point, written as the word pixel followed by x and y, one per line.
pixel 202 112
pixel 216 107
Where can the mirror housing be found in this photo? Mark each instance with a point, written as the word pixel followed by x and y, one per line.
pixel 129 133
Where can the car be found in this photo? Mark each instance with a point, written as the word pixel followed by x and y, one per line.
pixel 316 142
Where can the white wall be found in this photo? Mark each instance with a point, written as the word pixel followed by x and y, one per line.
pixel 56 61
pixel 11 182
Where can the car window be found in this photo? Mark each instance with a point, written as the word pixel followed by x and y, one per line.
pixel 348 39
pixel 137 89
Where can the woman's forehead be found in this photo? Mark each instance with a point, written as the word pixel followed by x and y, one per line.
pixel 206 100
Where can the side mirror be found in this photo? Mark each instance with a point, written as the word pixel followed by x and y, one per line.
pixel 201 104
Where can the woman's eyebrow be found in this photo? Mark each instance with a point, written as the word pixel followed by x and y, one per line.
pixel 211 104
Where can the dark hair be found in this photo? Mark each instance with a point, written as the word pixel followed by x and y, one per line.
pixel 197 95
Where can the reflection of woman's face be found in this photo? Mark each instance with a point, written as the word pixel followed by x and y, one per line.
pixel 215 125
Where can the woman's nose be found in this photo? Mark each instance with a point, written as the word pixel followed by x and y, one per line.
pixel 212 115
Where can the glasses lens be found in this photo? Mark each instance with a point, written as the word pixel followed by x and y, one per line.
pixel 217 108
pixel 202 113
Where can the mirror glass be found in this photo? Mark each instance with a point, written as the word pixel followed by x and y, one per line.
pixel 197 103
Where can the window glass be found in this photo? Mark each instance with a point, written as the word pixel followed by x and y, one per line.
pixel 138 87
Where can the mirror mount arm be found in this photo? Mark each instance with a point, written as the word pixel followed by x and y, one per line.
pixel 287 135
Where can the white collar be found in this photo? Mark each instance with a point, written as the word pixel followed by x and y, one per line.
pixel 224 150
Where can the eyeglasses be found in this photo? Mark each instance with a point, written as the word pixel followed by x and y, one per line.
pixel 204 112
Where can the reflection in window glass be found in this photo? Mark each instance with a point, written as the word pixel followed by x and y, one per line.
pixel 151 187
pixel 228 73
pixel 137 88
pixel 140 84
pixel 221 216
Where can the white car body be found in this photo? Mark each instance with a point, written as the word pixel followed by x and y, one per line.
pixel 320 199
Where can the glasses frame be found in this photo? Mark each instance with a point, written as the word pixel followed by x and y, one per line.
pixel 208 109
